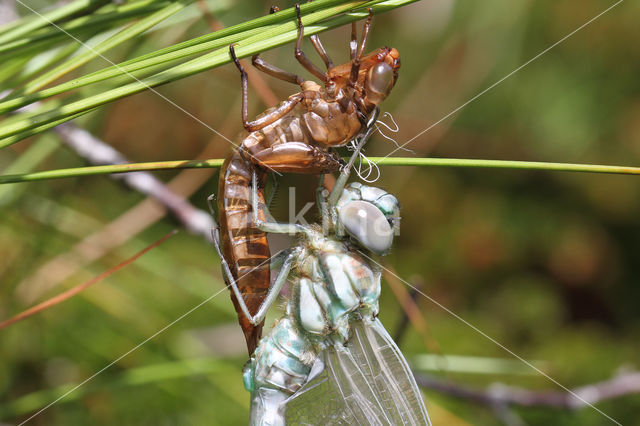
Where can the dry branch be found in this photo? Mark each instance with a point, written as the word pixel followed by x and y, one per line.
pixel 499 394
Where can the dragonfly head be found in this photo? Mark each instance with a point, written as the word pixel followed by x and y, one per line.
pixel 371 216
pixel 377 74
pixel 381 73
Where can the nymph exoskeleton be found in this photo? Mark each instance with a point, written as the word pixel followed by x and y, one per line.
pixel 297 136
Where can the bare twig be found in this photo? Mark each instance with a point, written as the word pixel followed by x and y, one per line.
pixel 500 394
pixel 100 153
pixel 8 12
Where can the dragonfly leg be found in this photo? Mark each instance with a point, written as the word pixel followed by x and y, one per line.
pixel 215 233
pixel 274 190
pixel 315 40
pixel 274 71
pixel 361 139
pixel 353 43
pixel 229 278
pixel 282 109
pixel 215 236
pixel 301 57
pixel 317 44
pixel 268 225
pixel 322 194
pixel 356 56
pixel 274 289
pixel 284 258
pixel 277 260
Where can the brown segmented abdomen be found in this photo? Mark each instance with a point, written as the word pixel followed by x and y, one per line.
pixel 315 121
pixel 295 143
pixel 244 247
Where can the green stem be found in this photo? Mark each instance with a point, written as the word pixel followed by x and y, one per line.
pixel 116 168
pixel 380 161
pixel 39 150
pixel 504 164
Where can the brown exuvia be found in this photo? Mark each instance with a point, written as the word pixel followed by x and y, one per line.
pixel 297 136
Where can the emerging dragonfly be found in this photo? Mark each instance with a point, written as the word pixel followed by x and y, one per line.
pixel 294 137
pixel 329 360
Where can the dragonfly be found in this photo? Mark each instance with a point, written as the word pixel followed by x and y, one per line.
pixel 297 136
pixel 329 360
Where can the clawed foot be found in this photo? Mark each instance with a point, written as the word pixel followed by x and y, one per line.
pixel 329 161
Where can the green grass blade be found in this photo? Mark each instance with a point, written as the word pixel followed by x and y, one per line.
pixel 277 36
pixel 43 61
pixel 113 41
pixel 130 67
pixel 165 57
pixel 106 18
pixel 39 21
pixel 380 161
pixel 39 129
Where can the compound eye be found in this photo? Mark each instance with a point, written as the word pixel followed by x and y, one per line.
pixel 368 225
pixel 381 78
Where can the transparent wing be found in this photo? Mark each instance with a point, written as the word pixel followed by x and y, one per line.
pixel 368 381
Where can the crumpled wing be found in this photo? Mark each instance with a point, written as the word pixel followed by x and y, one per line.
pixel 368 381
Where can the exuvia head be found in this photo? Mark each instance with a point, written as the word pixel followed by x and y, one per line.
pixel 381 76
pixel 371 216
pixel 377 74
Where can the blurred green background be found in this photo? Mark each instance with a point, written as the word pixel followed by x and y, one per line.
pixel 545 263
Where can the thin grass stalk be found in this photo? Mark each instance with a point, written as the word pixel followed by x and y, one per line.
pixel 53 57
pixel 39 129
pixel 380 161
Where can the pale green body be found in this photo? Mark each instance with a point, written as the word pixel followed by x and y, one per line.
pixel 328 360
pixel 331 285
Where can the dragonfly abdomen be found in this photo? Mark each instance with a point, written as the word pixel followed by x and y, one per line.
pixel 244 246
